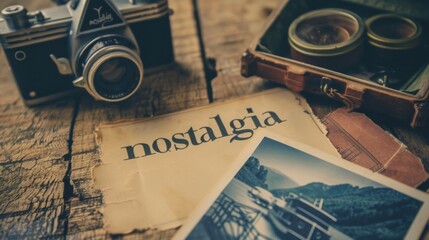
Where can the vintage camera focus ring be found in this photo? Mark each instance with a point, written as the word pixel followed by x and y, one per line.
pixel 113 73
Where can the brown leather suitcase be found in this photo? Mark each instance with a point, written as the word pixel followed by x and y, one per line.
pixel 269 56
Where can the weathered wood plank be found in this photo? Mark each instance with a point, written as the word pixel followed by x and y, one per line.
pixel 180 87
pixel 33 159
pixel 228 27
pixel 46 188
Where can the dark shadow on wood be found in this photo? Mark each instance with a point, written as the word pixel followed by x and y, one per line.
pixel 209 64
pixel 68 192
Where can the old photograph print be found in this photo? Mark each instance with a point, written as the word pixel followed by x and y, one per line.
pixel 284 193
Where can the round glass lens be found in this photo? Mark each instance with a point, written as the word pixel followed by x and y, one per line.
pixel 326 30
pixel 113 70
pixel 116 78
pixel 393 28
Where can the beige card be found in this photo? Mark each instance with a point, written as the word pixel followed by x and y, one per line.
pixel 154 172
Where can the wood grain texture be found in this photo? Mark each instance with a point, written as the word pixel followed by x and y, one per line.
pixel 33 160
pixel 228 27
pixel 47 153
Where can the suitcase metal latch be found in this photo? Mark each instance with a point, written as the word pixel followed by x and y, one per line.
pixel 352 96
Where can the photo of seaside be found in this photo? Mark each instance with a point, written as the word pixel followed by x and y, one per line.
pixel 284 193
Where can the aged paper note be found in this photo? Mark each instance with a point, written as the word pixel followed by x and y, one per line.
pixel 361 141
pixel 155 171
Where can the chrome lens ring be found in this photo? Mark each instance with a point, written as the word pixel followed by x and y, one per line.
pixel 104 55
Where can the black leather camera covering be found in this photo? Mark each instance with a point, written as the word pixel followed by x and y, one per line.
pixel 37 72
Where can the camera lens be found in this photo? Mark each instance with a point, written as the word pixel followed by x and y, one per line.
pixel 394 41
pixel 330 38
pixel 393 32
pixel 326 30
pixel 393 28
pixel 111 68
pixel 116 78
pixel 112 71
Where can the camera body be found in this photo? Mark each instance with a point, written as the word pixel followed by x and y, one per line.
pixel 104 46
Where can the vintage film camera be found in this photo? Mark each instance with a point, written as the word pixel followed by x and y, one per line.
pixel 103 46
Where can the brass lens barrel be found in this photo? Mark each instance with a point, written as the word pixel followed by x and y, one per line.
pixel 391 31
pixel 330 38
pixel 393 40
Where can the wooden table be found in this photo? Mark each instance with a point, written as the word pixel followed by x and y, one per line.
pixel 48 152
